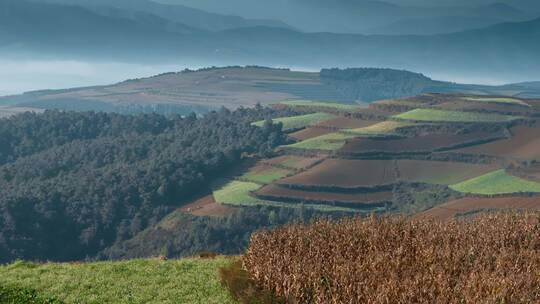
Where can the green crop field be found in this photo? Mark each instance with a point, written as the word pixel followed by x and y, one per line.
pixel 321 104
pixel 497 182
pixel 134 281
pixel 265 176
pixel 298 122
pixel 237 193
pixel 432 115
pixel 498 100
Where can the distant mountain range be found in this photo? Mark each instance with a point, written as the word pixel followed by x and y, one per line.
pixel 165 14
pixel 362 16
pixel 52 30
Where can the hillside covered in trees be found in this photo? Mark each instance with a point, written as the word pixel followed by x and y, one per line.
pixel 72 184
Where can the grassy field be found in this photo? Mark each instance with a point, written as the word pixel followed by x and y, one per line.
pixel 236 193
pixel 432 115
pixel 498 100
pixel 321 104
pixel 497 182
pixel 265 176
pixel 298 122
pixel 134 281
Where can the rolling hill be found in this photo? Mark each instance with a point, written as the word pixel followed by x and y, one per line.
pixel 233 87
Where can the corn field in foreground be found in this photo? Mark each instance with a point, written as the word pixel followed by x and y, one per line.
pixel 493 258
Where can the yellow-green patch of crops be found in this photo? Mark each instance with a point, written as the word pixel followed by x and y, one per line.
pixel 328 142
pixel 265 176
pixel 335 141
pixel 321 104
pixel 507 100
pixel 497 182
pixel 237 193
pixel 298 122
pixel 133 281
pixel 381 128
pixel 433 115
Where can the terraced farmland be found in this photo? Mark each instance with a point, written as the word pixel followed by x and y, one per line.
pixel 343 173
pixel 440 172
pixel 336 140
pixel 524 143
pixel 298 122
pixel 433 115
pixel 265 174
pixel 499 100
pixel 391 158
pixel 423 143
pixel 471 205
pixel 497 182
pixel 321 104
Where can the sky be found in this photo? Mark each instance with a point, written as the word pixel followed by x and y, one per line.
pixel 18 76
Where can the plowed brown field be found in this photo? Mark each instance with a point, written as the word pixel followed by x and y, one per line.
pixel 426 143
pixel 347 123
pixel 207 206
pixel 347 173
pixel 467 206
pixel 524 144
pixel 440 172
pixel 293 162
pixel 310 133
pixel 283 192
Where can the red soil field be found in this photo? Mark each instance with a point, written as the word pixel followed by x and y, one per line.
pixel 531 173
pixel 440 172
pixel 473 205
pixel 347 123
pixel 426 143
pixel 278 191
pixel 347 173
pixel 460 105
pixel 524 144
pixel 207 206
pixel 310 133
pixel 293 162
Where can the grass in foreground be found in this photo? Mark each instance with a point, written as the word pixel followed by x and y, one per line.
pixel 432 115
pixel 487 259
pixel 298 122
pixel 237 193
pixel 321 104
pixel 134 281
pixel 497 182
pixel 499 100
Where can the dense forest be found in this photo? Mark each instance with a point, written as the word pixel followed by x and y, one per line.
pixel 368 84
pixel 73 184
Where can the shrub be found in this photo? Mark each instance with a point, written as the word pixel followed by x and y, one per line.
pixel 493 258
pixel 17 295
pixel 242 288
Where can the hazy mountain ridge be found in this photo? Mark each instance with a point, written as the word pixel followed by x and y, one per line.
pixel 509 49
pixel 172 13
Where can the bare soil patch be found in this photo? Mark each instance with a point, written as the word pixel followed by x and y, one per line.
pixel 207 206
pixel 347 173
pixel 469 206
